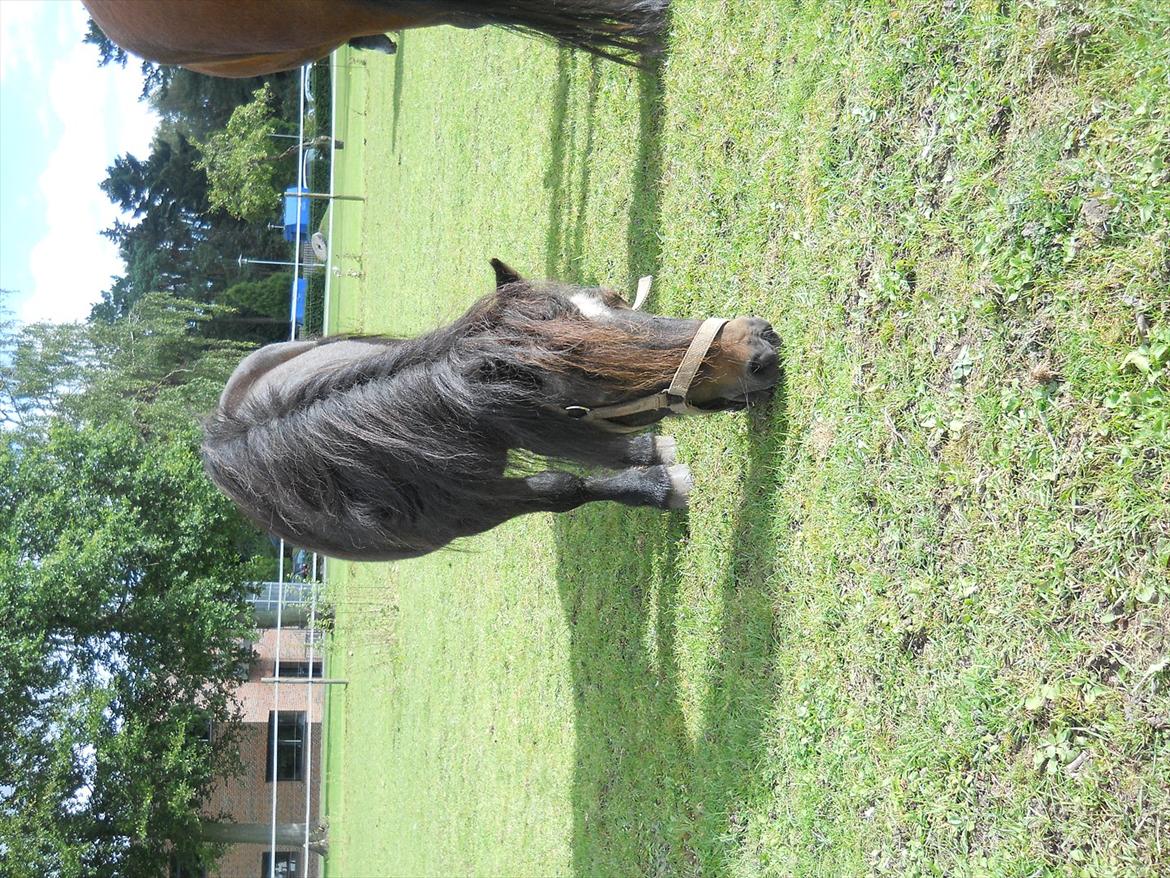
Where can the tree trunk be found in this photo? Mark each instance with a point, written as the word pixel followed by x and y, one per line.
pixel 321 142
pixel 287 834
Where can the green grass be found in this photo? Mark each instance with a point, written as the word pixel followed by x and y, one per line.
pixel 915 622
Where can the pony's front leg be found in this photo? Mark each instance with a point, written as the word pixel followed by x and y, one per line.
pixel 665 487
pixel 639 450
pixel 646 449
pixel 608 450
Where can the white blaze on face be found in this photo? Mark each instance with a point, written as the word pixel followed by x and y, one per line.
pixel 591 306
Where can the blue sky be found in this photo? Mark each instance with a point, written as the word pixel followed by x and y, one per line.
pixel 63 119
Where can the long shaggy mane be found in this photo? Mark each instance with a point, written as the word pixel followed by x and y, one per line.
pixel 408 449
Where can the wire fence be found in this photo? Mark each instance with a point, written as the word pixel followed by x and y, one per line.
pixel 310 280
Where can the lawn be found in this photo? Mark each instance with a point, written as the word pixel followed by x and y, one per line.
pixel 917 619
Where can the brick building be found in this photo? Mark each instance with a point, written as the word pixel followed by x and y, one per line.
pixel 247 799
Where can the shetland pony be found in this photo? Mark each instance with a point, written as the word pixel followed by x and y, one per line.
pixel 374 448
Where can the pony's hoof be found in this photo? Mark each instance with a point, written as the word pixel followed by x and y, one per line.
pixel 681 484
pixel 666 449
pixel 375 43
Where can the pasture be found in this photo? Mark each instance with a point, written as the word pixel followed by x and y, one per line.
pixel 916 619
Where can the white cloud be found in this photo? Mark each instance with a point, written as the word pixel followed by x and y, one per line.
pixel 101 117
pixel 18 20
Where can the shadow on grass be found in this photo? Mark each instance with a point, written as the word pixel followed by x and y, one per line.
pixel 643 243
pixel 581 213
pixel 570 169
pixel 647 798
pixel 399 74
pixel 566 157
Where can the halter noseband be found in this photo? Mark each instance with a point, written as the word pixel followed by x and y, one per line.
pixel 673 398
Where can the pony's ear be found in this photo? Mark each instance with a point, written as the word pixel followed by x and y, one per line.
pixel 505 274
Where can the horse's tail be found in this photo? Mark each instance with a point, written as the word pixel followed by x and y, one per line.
pixel 621 30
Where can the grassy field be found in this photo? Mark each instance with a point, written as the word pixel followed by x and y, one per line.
pixel 917 620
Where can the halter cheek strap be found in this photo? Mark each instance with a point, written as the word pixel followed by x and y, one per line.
pixel 680 385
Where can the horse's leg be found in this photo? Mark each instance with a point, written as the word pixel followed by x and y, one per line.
pixel 666 487
pixel 619 451
pixel 599 448
pixel 375 43
pixel 646 449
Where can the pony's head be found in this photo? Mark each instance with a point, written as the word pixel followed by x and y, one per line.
pixel 590 342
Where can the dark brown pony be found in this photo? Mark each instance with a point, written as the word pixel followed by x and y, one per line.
pixel 379 448
pixel 252 37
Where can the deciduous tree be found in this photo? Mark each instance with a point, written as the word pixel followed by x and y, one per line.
pixel 123 597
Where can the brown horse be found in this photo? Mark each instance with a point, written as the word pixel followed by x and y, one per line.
pixel 252 37
pixel 379 448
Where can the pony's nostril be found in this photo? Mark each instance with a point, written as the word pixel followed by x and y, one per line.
pixel 763 362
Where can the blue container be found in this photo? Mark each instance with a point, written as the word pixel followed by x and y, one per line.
pixel 296 212
pixel 300 292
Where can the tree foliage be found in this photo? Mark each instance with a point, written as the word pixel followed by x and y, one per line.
pixel 196 106
pixel 122 594
pixel 109 52
pixel 122 570
pixel 264 298
pixel 121 621
pixel 154 76
pixel 174 240
pixel 259 310
pixel 154 370
pixel 237 161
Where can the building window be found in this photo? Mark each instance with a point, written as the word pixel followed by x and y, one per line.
pixel 301 669
pixel 243 671
pixel 182 870
pixel 286 738
pixel 201 730
pixel 288 864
